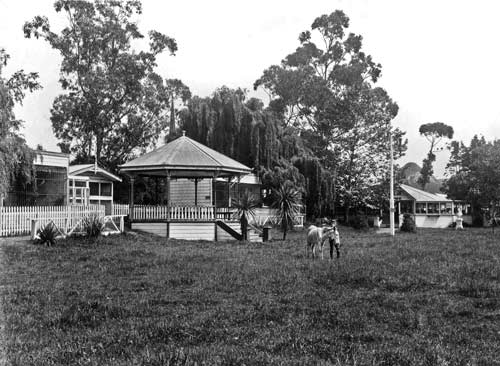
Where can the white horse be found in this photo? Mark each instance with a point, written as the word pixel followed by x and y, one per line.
pixel 316 237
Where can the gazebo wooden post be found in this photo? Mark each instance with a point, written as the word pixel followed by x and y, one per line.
pixel 196 191
pixel 229 191
pixel 168 195
pixel 238 186
pixel 156 190
pixel 168 204
pixel 131 200
pixel 214 194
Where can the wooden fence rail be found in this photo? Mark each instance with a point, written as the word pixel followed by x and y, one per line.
pixel 17 220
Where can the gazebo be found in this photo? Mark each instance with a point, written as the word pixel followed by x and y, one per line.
pixel 190 171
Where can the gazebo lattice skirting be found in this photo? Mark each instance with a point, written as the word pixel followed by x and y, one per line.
pixel 190 171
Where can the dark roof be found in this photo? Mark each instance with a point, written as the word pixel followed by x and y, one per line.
pixel 184 156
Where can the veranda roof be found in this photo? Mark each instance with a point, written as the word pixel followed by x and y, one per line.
pixel 423 196
pixel 91 168
pixel 184 157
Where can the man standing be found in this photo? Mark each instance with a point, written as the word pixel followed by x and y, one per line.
pixel 334 239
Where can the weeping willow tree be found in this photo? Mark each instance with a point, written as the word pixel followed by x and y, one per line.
pixel 259 138
pixel 16 158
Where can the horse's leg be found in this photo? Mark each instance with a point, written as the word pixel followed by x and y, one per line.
pixel 321 250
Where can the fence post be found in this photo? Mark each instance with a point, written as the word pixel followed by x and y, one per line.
pixel 1 214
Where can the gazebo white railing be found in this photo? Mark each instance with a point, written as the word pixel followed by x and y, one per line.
pixel 173 213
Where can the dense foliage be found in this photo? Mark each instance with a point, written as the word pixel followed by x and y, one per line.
pixel 113 100
pixel 326 129
pixel 16 158
pixel 325 91
pixel 475 175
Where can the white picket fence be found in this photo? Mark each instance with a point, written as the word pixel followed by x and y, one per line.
pixel 17 220
pixel 120 209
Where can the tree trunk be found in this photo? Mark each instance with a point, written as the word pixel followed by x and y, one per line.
pixel 346 213
pixel 244 226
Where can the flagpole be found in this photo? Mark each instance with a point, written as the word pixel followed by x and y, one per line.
pixel 391 198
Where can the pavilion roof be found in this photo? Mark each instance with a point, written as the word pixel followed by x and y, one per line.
pixel 423 196
pixel 184 157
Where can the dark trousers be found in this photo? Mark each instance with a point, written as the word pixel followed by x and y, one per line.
pixel 333 244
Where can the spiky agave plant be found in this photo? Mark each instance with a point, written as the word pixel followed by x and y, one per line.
pixel 47 234
pixel 245 209
pixel 286 201
pixel 93 226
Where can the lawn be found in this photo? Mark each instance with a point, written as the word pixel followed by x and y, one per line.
pixel 427 299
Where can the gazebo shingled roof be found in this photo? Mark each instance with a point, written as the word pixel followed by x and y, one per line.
pixel 184 157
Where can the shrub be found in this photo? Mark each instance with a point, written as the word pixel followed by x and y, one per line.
pixel 359 222
pixel 408 224
pixel 477 219
pixel 93 226
pixel 47 234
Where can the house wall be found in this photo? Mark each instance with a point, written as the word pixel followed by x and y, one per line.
pixel 436 221
pixel 47 158
pixel 182 192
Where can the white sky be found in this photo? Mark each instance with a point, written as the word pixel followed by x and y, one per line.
pixel 440 58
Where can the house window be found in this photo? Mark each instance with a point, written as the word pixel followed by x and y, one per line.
pixel 105 189
pixel 446 208
pixel 421 208
pixel 433 208
pixel 94 189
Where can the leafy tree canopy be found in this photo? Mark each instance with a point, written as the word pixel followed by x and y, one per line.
pixel 16 158
pixel 475 174
pixel 325 90
pixel 434 133
pixel 113 100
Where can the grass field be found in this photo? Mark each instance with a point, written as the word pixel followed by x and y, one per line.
pixel 427 299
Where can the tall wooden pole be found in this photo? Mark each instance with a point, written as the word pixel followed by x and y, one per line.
pixel 391 198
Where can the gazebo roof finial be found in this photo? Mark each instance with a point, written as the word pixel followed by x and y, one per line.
pixel 183 132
